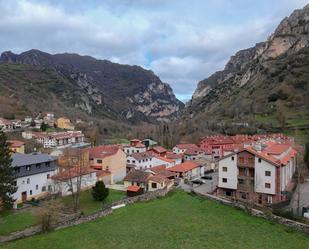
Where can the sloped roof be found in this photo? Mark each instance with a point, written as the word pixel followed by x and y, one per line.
pixel 137 176
pixel 159 149
pixel 20 159
pixel 133 188
pixel 184 167
pixel 72 173
pixel 186 146
pixel 103 151
pixel 16 143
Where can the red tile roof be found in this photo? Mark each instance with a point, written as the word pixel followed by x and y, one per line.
pixel 132 188
pixel 72 173
pixel 159 149
pixel 164 159
pixel 184 167
pixel 103 151
pixel 171 155
pixel 16 143
pixel 186 146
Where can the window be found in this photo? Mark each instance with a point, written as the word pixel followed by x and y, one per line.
pixel 267 173
pixel 233 158
pixel 36 187
pixel 260 160
pixel 17 170
pixel 267 185
pixel 224 179
pixel 240 181
pixel 154 185
pixel 133 161
pixel 243 195
pixel 269 199
pixel 28 168
pixel 107 168
pixel 224 169
pixel 28 180
pixel 47 164
pixel 48 176
pixel 49 187
pixel 15 183
pixel 128 161
pixel 137 151
pixel 43 188
pixel 38 165
pixel 99 161
pixel 30 192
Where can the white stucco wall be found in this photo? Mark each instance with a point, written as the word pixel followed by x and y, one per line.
pixel 36 182
pixel 230 175
pixel 261 179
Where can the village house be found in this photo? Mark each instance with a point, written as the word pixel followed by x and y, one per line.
pixel 148 159
pixel 55 139
pixel 111 160
pixel 6 125
pixel 135 146
pixel 17 146
pixel 181 148
pixel 65 123
pixel 188 170
pixel 218 146
pixel 71 178
pixel 195 153
pixel 139 181
pixel 49 119
pixel 260 173
pixel 159 150
pixel 178 158
pixel 33 174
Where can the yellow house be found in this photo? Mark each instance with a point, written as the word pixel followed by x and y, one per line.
pixel 110 159
pixel 17 146
pixel 65 123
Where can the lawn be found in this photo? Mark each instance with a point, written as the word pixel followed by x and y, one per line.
pixel 11 222
pixel 88 205
pixel 16 221
pixel 177 221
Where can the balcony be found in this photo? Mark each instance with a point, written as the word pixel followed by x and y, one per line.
pixel 245 183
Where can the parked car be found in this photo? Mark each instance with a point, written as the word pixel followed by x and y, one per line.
pixel 197 181
pixel 209 178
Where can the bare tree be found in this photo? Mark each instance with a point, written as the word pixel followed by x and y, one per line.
pixel 73 165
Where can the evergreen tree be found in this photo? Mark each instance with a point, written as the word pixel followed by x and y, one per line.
pixel 44 126
pixel 7 177
pixel 99 191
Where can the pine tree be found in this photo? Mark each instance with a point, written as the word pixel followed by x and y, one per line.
pixel 7 177
pixel 99 191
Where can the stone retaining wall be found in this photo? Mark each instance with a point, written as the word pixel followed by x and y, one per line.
pixel 259 213
pixel 82 219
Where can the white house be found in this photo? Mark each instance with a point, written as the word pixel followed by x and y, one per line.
pixel 148 159
pixel 33 175
pixel 67 179
pixel 181 148
pixel 135 146
pixel 259 173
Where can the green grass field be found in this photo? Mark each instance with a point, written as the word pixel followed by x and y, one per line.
pixel 177 221
pixel 16 221
pixel 11 222
pixel 88 205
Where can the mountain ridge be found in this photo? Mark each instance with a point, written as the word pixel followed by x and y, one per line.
pixel 134 93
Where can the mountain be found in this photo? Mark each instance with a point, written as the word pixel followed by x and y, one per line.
pixel 103 88
pixel 266 85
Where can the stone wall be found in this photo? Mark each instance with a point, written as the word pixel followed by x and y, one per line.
pixel 259 213
pixel 85 218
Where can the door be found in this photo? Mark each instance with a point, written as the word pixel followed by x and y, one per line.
pixel 24 196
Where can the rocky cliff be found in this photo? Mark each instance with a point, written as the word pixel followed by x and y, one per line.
pixel 130 92
pixel 269 78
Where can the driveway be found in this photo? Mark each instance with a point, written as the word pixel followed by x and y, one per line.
pixel 209 186
pixel 304 197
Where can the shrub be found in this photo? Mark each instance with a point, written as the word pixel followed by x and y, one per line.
pixel 99 191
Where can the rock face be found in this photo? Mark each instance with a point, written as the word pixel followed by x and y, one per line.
pixel 257 68
pixel 132 92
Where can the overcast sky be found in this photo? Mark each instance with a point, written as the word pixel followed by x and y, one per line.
pixel 182 41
